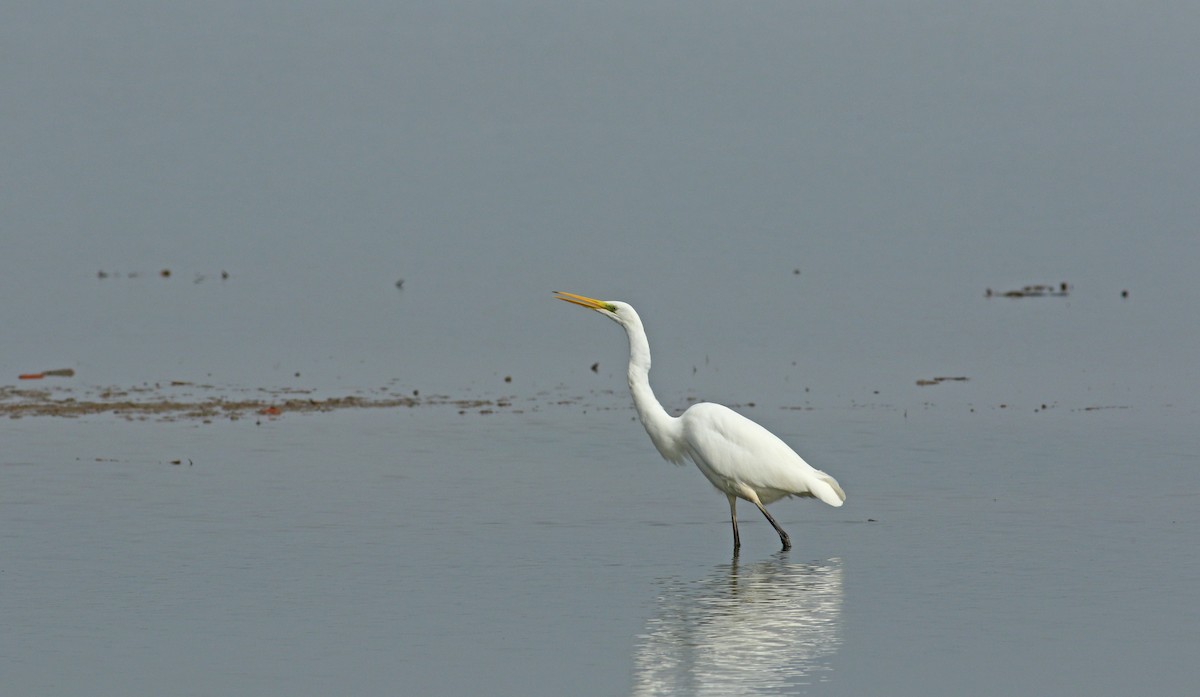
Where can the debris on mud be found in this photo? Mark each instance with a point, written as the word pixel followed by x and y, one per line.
pixel 163 402
pixel 56 373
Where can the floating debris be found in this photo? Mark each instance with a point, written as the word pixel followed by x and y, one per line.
pixel 939 380
pixel 1039 290
pixel 197 277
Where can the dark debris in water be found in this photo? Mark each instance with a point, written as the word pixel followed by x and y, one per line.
pixel 925 382
pixel 197 277
pixel 1037 290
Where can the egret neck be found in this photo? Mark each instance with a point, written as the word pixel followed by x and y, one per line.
pixel 664 429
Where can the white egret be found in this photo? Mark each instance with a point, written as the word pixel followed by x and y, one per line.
pixel 740 458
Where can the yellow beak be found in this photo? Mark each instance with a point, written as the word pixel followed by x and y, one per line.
pixel 582 301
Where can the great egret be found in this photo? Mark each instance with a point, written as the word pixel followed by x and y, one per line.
pixel 740 458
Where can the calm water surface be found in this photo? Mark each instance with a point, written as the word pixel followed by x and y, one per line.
pixel 437 553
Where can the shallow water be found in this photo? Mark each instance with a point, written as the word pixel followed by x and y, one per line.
pixel 807 203
pixel 439 553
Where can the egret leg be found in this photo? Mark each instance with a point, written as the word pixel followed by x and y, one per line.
pixel 783 536
pixel 737 540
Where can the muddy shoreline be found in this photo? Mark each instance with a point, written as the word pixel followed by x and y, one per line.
pixel 208 403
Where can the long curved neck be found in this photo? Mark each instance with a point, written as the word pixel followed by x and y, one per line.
pixel 661 426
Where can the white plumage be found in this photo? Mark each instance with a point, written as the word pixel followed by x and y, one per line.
pixel 740 457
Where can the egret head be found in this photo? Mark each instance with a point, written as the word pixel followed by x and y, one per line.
pixel 619 312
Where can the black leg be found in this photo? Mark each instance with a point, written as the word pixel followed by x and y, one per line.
pixel 783 536
pixel 737 540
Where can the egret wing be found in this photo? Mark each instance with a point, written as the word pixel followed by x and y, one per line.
pixel 735 452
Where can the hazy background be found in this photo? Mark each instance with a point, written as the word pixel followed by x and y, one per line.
pixel 1034 527
pixel 685 157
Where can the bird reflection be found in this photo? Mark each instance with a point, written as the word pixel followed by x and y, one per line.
pixel 765 628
